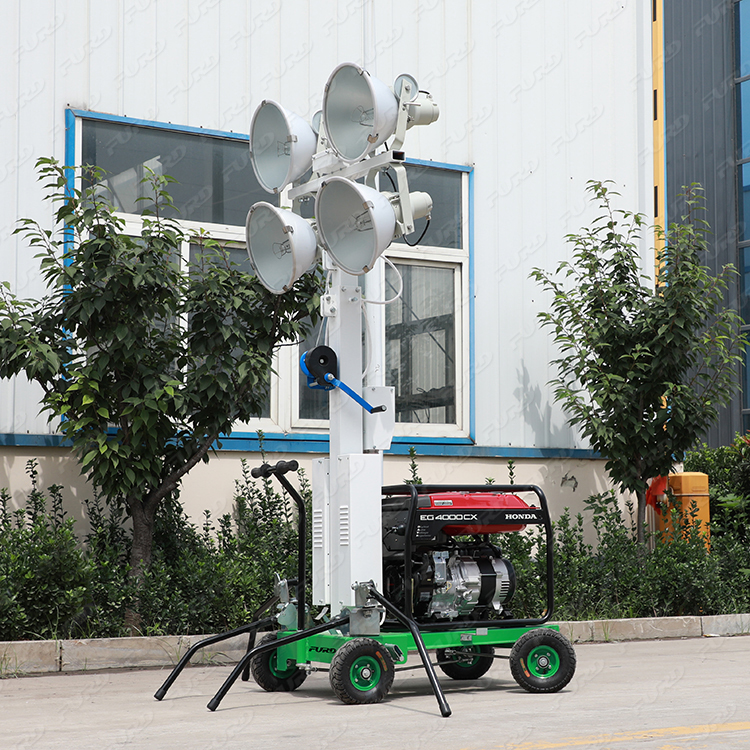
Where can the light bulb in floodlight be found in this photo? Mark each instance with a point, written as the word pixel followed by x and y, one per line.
pixel 282 246
pixel 280 249
pixel 356 223
pixel 359 112
pixel 282 145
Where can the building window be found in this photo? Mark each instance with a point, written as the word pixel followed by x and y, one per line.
pixel 214 180
pixel 445 187
pixel 426 329
pixel 420 343
pixel 424 333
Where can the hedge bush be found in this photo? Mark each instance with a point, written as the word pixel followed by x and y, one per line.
pixel 214 577
pixel 44 578
pixel 615 578
pixel 201 580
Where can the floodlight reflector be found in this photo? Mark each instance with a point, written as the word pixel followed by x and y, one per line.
pixel 282 245
pixel 356 223
pixel 282 145
pixel 359 112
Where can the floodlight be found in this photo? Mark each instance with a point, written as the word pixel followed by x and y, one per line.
pixel 419 105
pixel 357 223
pixel 281 146
pixel 282 246
pixel 316 118
pixel 422 110
pixel 359 112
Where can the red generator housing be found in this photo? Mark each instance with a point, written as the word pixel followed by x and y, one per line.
pixel 441 560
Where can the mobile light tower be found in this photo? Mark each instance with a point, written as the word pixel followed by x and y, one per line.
pixel 458 590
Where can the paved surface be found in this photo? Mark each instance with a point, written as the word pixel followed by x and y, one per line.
pixel 650 695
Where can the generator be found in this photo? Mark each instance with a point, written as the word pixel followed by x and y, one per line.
pixel 439 561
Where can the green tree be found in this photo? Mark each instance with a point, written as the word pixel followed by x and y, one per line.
pixel 143 364
pixel 643 369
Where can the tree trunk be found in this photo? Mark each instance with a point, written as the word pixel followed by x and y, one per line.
pixel 641 519
pixel 140 556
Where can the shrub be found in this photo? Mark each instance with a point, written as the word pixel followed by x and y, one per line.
pixel 44 577
pixel 207 579
pixel 728 470
pixel 616 578
pixel 214 578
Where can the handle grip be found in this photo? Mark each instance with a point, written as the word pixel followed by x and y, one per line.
pixel 281 468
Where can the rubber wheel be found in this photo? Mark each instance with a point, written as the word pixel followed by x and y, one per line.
pixel 361 671
pixel 542 661
pixel 465 666
pixel 269 676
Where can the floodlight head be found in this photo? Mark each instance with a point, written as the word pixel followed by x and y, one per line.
pixel 282 246
pixel 359 112
pixel 422 110
pixel 282 145
pixel 356 223
pixel 316 118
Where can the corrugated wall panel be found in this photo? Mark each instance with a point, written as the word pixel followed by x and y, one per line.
pixel 563 100
pixel 105 61
pixel 539 95
pixel 699 136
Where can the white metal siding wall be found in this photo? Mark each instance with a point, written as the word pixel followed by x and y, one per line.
pixel 539 95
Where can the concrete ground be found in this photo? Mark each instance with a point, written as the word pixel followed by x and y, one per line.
pixel 650 695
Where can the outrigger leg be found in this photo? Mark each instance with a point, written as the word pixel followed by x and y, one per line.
pixel 250 629
pixel 213 704
pixel 414 630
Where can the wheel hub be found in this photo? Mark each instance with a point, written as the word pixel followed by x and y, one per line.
pixel 543 661
pixel 365 673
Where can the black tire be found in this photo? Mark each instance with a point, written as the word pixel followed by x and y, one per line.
pixel 542 661
pixel 463 665
pixel 361 671
pixel 268 675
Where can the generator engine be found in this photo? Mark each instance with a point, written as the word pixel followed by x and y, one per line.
pixel 439 562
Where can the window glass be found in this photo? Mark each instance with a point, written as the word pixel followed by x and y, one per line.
pixel 420 338
pixel 745 284
pixel 313 402
pixel 215 182
pixel 746 378
pixel 744 201
pixel 444 187
pixel 743 119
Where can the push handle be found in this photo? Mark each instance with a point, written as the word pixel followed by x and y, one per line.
pixel 281 468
